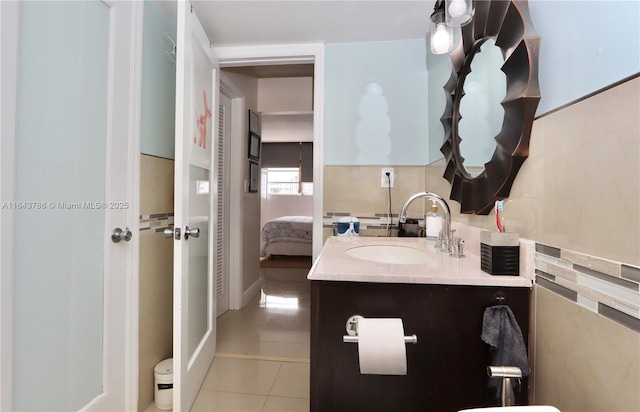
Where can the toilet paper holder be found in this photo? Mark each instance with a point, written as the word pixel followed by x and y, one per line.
pixel 352 331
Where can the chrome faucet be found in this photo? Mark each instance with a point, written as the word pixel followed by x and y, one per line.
pixel 446 235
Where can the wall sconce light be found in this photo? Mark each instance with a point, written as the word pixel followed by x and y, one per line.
pixel 458 12
pixel 441 33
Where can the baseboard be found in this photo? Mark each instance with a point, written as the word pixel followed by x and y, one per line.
pixel 251 291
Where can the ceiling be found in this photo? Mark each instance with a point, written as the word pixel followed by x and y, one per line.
pixel 241 23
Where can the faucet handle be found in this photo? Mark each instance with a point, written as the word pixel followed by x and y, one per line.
pixel 439 240
pixel 457 249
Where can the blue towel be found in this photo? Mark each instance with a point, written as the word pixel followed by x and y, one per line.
pixel 501 331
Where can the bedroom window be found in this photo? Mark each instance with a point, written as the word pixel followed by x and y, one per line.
pixel 282 180
pixel 287 169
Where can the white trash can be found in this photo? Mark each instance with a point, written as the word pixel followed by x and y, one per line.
pixel 163 384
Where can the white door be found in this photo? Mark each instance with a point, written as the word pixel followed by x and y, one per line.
pixel 222 204
pixel 68 180
pixel 194 325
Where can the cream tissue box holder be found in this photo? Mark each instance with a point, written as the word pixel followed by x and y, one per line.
pixel 500 253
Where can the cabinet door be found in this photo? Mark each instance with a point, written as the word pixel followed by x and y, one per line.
pixel 446 369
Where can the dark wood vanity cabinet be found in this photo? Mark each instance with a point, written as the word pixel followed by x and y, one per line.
pixel 446 368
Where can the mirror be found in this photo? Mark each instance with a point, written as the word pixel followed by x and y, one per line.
pixel 508 25
pixel 480 109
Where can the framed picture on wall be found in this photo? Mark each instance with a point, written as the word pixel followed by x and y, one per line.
pixel 254 176
pixel 254 146
pixel 254 122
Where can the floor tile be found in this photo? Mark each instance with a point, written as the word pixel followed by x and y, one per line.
pixel 292 381
pixel 292 275
pixel 250 313
pixel 285 336
pixel 234 346
pixel 285 350
pixel 275 324
pixel 287 328
pixel 242 324
pixel 280 404
pixel 241 376
pixel 238 330
pixel 213 401
pixel 298 320
pixel 152 408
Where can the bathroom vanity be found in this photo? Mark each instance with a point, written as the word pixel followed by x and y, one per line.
pixel 439 298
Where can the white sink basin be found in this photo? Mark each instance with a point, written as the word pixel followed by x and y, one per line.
pixel 390 254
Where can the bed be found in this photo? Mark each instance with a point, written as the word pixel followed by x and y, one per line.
pixel 287 235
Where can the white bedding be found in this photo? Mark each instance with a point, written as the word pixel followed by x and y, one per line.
pixel 287 235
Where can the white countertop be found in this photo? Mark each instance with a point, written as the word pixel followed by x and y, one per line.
pixel 334 264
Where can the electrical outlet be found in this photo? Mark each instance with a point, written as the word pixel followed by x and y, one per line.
pixel 385 181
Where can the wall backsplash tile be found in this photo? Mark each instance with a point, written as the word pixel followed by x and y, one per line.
pixel 156 184
pixel 156 222
pixel 594 278
pixel 156 270
pixel 631 273
pixel 356 191
pixel 357 188
pixel 583 361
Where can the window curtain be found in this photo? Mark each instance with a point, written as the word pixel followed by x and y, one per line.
pixel 290 154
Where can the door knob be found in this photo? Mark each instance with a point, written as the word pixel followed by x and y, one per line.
pixel 118 234
pixel 195 232
pixel 172 233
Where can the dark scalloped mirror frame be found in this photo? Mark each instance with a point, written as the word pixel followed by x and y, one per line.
pixel 509 24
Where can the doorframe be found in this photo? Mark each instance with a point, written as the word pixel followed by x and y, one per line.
pixel 132 310
pixel 238 107
pixel 9 66
pixel 261 56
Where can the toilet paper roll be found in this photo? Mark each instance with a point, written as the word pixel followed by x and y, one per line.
pixel 381 347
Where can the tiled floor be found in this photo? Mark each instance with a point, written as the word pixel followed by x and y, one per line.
pixel 262 355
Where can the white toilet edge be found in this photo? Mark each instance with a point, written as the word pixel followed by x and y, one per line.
pixel 531 408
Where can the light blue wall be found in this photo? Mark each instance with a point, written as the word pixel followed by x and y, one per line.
pixel 158 84
pixel 376 103
pixel 585 46
pixel 439 72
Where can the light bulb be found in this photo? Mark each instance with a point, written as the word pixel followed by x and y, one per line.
pixel 441 40
pixel 457 8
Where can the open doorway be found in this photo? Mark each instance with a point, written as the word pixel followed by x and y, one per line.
pixel 285 107
pixel 267 334
pixel 283 96
pixel 271 327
